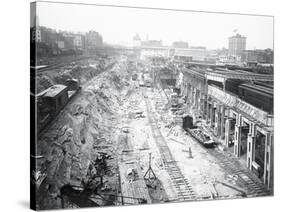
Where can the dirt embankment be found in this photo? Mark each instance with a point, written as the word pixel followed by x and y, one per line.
pixel 84 132
pixel 83 70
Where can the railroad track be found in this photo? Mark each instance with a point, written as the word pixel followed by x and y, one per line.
pixel 57 65
pixel 183 188
pixel 71 100
pixel 232 166
pixel 248 180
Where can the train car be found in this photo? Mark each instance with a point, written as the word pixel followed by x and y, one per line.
pixel 203 138
pixel 258 95
pixel 55 97
pixel 52 100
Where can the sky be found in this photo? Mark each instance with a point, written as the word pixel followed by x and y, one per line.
pixel 118 25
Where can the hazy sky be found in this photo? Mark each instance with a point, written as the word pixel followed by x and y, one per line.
pixel 119 25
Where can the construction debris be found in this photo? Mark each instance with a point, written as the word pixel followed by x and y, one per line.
pixel 117 142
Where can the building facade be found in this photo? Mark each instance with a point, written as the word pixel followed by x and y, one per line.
pixel 259 55
pixel 35 30
pixel 190 54
pixel 79 41
pixel 238 113
pixel 148 52
pixel 180 44
pixel 93 39
pixel 236 45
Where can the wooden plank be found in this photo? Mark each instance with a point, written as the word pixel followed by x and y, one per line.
pixel 133 188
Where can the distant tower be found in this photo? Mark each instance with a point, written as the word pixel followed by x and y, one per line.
pixel 136 40
pixel 236 45
pixel 36 32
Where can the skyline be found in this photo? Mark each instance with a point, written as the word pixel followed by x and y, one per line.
pixel 211 30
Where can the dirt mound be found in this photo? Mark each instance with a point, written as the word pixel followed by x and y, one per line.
pixel 84 128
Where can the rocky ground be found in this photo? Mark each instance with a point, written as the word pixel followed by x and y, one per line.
pixel 83 132
pixel 100 134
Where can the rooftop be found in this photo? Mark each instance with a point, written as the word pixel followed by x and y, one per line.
pixel 38 67
pixel 260 88
pixel 196 72
pixel 52 91
pixel 240 74
pixel 72 80
pixel 237 36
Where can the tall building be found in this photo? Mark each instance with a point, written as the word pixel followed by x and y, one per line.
pixel 78 41
pixel 36 32
pixel 236 45
pixel 49 36
pixel 93 39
